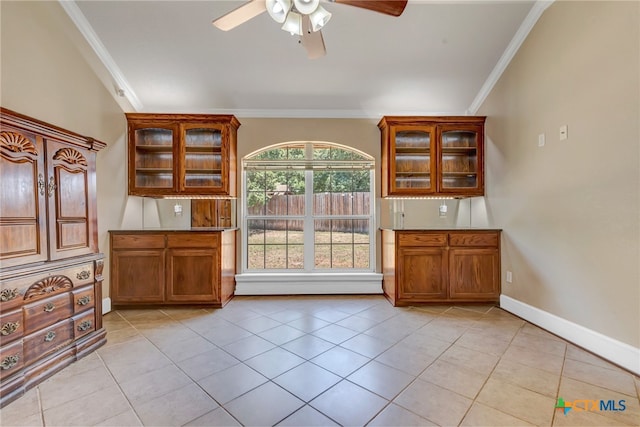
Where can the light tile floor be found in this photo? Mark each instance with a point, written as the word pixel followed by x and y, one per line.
pixel 324 361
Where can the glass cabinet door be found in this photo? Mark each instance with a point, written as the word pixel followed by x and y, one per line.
pixel 412 149
pixel 203 158
pixel 153 154
pixel 460 159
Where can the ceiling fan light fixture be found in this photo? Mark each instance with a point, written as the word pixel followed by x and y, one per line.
pixel 278 9
pixel 293 23
pixel 319 18
pixel 306 7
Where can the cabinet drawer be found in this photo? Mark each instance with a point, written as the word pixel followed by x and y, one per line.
pixel 46 312
pixel 142 241
pixel 84 323
pixel 193 240
pixel 473 239
pixel 11 359
pixel 11 326
pixel 48 340
pixel 422 239
pixel 10 296
pixel 83 299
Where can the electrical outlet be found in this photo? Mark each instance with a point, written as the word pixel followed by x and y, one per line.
pixel 541 140
pixel 509 277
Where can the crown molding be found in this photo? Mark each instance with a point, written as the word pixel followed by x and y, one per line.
pixel 512 48
pixel 122 85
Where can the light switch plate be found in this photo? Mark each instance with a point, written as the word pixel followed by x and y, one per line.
pixel 564 132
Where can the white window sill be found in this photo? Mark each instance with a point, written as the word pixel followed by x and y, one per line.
pixel 308 283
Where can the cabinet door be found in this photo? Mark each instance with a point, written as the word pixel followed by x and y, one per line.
pixel 153 158
pixel 412 160
pixel 70 189
pixel 193 275
pixel 23 236
pixel 204 159
pixel 460 160
pixel 474 274
pixel 137 275
pixel 422 273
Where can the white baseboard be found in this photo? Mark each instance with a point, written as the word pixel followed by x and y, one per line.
pixel 308 284
pixel 106 305
pixel 615 351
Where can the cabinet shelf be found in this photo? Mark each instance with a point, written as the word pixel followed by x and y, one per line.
pixel 459 150
pixel 412 150
pixel 203 171
pixel 155 148
pixel 203 150
pixel 154 171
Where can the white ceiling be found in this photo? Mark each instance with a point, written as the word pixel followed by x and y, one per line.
pixel 434 59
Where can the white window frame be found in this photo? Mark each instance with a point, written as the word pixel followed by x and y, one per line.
pixel 309 280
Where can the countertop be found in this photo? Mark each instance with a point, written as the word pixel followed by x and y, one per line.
pixel 441 229
pixel 174 229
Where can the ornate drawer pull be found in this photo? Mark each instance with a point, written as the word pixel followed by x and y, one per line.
pixel 84 300
pixel 83 326
pixel 9 328
pixel 50 336
pixel 84 274
pixel 9 362
pixel 49 307
pixel 51 187
pixel 8 294
pixel 41 184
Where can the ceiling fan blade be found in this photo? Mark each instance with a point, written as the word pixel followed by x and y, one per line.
pixel 388 7
pixel 312 41
pixel 240 15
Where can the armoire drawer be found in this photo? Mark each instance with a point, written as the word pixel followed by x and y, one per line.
pixel 84 323
pixel 46 312
pixel 11 326
pixel 83 299
pixel 48 340
pixel 11 359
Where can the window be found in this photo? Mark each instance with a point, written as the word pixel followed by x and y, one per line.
pixel 308 208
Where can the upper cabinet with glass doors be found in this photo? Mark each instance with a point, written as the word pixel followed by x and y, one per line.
pixel 182 154
pixel 432 156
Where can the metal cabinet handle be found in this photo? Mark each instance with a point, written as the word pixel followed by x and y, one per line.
pixel 83 326
pixel 51 187
pixel 8 294
pixel 9 328
pixel 50 336
pixel 84 300
pixel 9 362
pixel 49 307
pixel 41 184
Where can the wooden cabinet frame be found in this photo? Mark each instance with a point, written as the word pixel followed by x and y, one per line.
pixel 172 267
pixel 173 175
pixel 441 266
pixel 437 167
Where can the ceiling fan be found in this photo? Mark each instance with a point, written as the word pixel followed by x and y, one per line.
pixel 304 18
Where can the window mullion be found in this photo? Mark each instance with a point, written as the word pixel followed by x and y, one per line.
pixel 309 229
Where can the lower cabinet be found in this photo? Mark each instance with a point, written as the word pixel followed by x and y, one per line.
pixel 172 267
pixel 422 266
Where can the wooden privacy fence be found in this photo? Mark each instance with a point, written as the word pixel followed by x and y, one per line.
pixel 337 204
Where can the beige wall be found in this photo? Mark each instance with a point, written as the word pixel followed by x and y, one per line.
pixel 44 75
pixel 570 209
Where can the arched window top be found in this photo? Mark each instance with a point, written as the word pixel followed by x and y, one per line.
pixel 308 155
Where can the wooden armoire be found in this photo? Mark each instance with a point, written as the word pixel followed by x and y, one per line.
pixel 50 265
